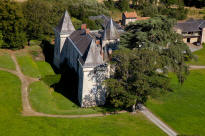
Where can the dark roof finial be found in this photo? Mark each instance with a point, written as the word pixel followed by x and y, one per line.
pixel 65 25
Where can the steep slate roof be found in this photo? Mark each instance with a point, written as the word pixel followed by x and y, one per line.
pixel 65 25
pixel 81 40
pixel 191 25
pixel 88 48
pixel 93 57
pixel 110 32
pixel 106 20
pixel 130 14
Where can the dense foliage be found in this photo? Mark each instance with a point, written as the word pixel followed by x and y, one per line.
pixel 196 3
pixel 149 49
pixel 35 19
pixel 179 13
pixel 12 25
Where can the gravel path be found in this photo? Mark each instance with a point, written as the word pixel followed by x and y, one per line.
pixel 196 67
pixel 164 127
pixel 27 109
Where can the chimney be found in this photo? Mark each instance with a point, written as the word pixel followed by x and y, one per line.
pixel 87 31
pixel 83 26
pixel 98 42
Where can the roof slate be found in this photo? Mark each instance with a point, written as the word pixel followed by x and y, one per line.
pixel 191 25
pixel 65 25
pixel 110 32
pixel 106 20
pixel 81 40
pixel 93 57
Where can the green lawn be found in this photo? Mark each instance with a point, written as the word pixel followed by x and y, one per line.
pixel 33 68
pixel 28 66
pixel 200 55
pixel 44 68
pixel 6 61
pixel 46 100
pixel 183 109
pixel 14 124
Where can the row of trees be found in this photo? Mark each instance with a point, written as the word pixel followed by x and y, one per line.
pixel 148 51
pixel 152 8
pixel 35 19
pixel 196 3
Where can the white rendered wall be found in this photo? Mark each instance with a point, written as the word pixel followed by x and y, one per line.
pixel 93 94
pixel 203 36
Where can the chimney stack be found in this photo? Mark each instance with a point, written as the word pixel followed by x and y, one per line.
pixel 98 42
pixel 83 26
pixel 87 31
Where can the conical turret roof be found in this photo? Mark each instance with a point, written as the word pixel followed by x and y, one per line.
pixel 65 25
pixel 110 32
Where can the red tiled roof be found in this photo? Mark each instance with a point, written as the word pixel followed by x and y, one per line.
pixel 130 14
pixel 143 18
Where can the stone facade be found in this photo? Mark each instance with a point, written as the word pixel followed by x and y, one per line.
pixel 86 53
pixel 193 31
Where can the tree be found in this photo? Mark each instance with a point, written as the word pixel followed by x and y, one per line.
pixel 1 39
pixel 196 3
pixel 37 15
pixel 148 50
pixel 12 25
pixel 123 5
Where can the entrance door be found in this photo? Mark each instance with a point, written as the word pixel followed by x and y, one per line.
pixel 188 40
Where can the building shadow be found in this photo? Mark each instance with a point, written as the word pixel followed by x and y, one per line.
pixel 48 52
pixel 68 84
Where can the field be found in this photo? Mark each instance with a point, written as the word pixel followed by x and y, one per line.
pixel 16 124
pixel 6 61
pixel 183 109
pixel 46 100
pixel 200 57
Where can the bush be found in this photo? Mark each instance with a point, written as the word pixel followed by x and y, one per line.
pixel 51 79
pixel 179 13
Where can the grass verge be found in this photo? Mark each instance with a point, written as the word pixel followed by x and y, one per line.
pixel 6 61
pixel 200 55
pixel 183 109
pixel 16 124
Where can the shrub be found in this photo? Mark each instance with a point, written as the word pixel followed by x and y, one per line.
pixel 51 79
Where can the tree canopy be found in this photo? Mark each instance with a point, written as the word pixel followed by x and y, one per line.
pixel 148 50
pixel 12 25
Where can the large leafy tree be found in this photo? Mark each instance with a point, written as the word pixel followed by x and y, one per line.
pixel 123 5
pixel 36 13
pixel 11 25
pixel 1 39
pixel 149 49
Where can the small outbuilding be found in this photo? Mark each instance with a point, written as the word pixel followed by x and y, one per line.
pixel 128 17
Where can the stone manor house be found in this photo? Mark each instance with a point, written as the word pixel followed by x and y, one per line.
pixel 193 31
pixel 85 51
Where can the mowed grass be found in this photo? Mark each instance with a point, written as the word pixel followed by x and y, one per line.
pixel 44 68
pixel 14 124
pixel 28 66
pixel 46 100
pixel 33 68
pixel 200 55
pixel 6 61
pixel 183 109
